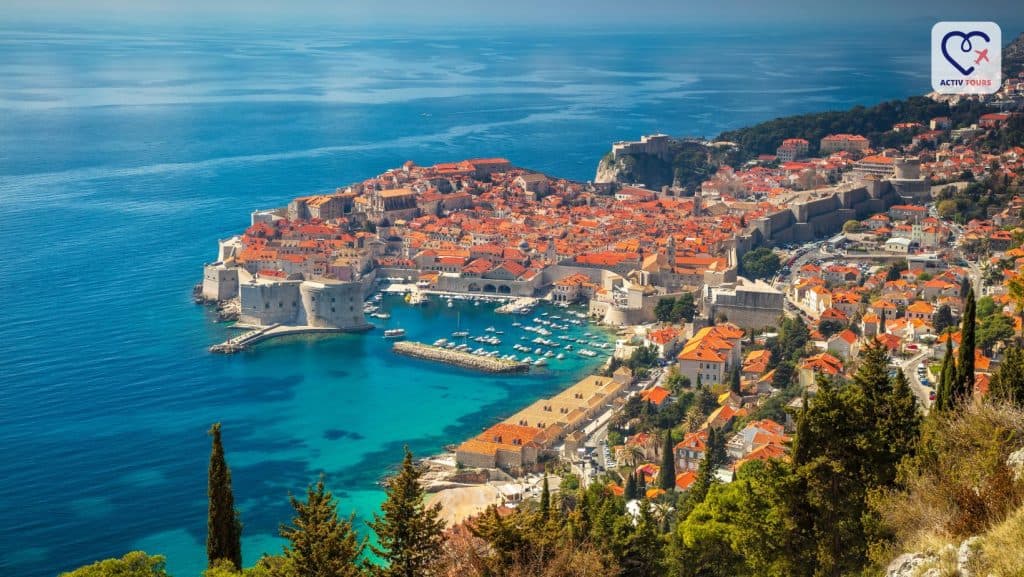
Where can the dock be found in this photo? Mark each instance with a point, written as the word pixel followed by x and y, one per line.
pixel 458 358
pixel 258 334
pixel 518 305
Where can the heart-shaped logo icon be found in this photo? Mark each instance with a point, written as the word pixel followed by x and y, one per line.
pixel 965 47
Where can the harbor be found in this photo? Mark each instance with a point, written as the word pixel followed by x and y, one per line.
pixel 459 358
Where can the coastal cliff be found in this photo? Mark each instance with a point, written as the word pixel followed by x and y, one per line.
pixel 679 163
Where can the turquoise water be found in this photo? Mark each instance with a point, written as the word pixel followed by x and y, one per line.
pixel 124 156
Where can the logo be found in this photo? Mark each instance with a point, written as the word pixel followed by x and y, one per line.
pixel 967 57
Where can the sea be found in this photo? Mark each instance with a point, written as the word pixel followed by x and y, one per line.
pixel 125 154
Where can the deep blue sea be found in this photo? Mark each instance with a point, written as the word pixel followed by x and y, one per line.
pixel 125 155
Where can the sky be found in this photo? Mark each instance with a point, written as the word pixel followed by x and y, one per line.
pixel 558 14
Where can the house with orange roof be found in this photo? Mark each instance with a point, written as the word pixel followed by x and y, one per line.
pixel 820 364
pixel 723 417
pixel 755 436
pixel 665 340
pixel 711 353
pixel 891 342
pixel 690 450
pixel 843 344
pixel 505 446
pixel 656 395
pixel 756 363
pixel 685 480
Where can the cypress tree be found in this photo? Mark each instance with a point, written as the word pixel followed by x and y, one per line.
pixel 964 383
pixel 734 381
pixel 667 474
pixel 223 526
pixel 705 478
pixel 320 543
pixel 545 499
pixel 946 377
pixel 630 491
pixel 408 533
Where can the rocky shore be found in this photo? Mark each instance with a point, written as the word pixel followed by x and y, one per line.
pixel 458 358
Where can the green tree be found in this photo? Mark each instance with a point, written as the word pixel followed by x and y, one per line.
pixel 783 375
pixel 667 474
pixel 663 310
pixel 760 263
pixel 943 319
pixel 630 490
pixel 985 307
pixel 943 396
pixel 545 499
pixel 851 226
pixel 134 564
pixel 832 438
pixel 408 532
pixel 223 526
pixel 734 380
pixel 320 544
pixel 684 308
pixel 704 481
pixel 643 551
pixel 1008 382
pixel 894 272
pixel 994 329
pixel 964 383
pixel 829 327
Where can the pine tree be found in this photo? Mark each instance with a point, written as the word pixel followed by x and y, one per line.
pixel 1008 382
pixel 223 526
pixel 408 533
pixel 872 374
pixel 320 543
pixel 667 474
pixel 964 383
pixel 643 554
pixel 545 499
pixel 898 427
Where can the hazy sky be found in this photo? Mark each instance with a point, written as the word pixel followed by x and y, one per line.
pixel 540 13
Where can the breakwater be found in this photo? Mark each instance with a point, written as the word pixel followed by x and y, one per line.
pixel 458 358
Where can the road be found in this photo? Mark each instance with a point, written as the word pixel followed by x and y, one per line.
pixel 921 391
pixel 599 437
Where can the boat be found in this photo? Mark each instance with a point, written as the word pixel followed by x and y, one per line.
pixel 540 362
pixel 560 356
pixel 394 334
pixel 381 315
pixel 459 333
pixel 450 303
pixel 440 342
pixel 490 329
pixel 588 353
